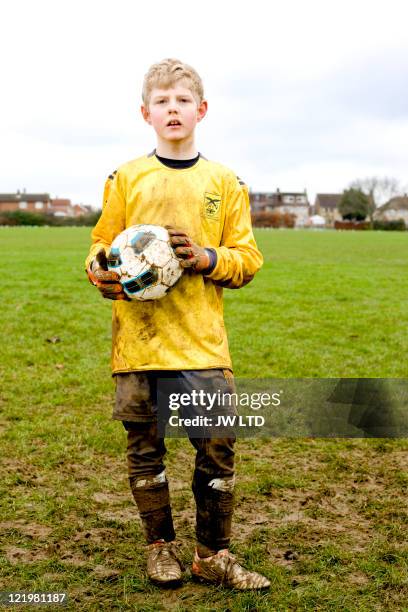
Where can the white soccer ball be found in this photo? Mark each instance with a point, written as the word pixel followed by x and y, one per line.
pixel 145 261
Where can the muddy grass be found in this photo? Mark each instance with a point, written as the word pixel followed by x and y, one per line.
pixel 310 514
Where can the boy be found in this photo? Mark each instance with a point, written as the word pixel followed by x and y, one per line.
pixel 206 210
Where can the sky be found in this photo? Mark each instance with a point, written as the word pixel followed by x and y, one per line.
pixel 302 95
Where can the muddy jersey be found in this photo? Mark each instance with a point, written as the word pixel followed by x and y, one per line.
pixel 185 329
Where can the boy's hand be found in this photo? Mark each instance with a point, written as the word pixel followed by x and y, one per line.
pixel 107 282
pixel 191 255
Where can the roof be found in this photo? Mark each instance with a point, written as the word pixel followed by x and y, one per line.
pixel 328 200
pixel 261 199
pixel 278 193
pixel 24 197
pixel 61 202
pixel 397 203
pixel 84 207
pixel 292 193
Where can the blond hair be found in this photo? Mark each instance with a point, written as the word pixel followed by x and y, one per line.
pixel 167 73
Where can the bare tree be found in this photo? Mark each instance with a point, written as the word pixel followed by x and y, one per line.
pixel 378 189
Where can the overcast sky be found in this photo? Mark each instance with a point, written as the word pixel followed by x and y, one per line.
pixel 301 94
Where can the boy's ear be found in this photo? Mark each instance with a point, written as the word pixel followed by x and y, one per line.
pixel 202 110
pixel 146 114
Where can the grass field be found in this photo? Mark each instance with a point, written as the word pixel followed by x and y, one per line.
pixel 325 520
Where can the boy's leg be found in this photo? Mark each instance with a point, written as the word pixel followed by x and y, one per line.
pixel 147 479
pixel 135 407
pixel 213 481
pixel 213 488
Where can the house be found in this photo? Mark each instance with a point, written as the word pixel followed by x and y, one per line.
pixel 294 203
pixel 41 203
pixel 62 208
pixel 393 210
pixel 327 206
pixel 82 209
pixel 30 202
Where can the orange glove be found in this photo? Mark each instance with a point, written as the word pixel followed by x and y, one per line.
pixel 190 255
pixel 106 281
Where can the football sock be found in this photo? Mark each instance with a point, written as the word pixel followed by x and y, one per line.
pixel 203 551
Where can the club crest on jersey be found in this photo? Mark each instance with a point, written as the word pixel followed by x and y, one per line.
pixel 212 205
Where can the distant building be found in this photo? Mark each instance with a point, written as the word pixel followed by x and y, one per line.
pixel 294 203
pixel 327 206
pixel 317 221
pixel 41 203
pixel 81 209
pixel 64 208
pixel 395 209
pixel 31 202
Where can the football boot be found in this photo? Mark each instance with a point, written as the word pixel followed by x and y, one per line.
pixel 164 567
pixel 223 568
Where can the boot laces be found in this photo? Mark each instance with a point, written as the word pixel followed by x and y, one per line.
pixel 229 566
pixel 164 551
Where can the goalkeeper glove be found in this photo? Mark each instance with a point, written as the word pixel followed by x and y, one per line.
pixel 106 281
pixel 189 254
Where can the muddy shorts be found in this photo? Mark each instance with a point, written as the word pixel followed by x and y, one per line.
pixel 158 395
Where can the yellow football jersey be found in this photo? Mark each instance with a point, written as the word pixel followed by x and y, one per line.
pixel 184 330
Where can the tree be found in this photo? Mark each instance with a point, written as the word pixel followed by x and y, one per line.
pixel 355 204
pixel 379 189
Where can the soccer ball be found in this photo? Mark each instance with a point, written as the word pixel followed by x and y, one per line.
pixel 145 261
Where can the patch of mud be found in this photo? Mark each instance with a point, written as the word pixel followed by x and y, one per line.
pixel 176 484
pixel 75 559
pixel 18 555
pixel 124 515
pixel 283 557
pixel 104 573
pixel 321 516
pixel 33 530
pixel 29 475
pixel 185 517
pixel 113 499
pixel 355 531
pixel 80 472
pixel 247 518
pixel 358 578
pixel 98 535
pixel 184 524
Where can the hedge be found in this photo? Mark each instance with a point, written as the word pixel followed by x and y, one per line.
pixel 21 217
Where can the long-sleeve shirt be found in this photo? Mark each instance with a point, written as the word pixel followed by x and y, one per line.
pixel 185 329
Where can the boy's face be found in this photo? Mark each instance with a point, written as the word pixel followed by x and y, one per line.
pixel 174 112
